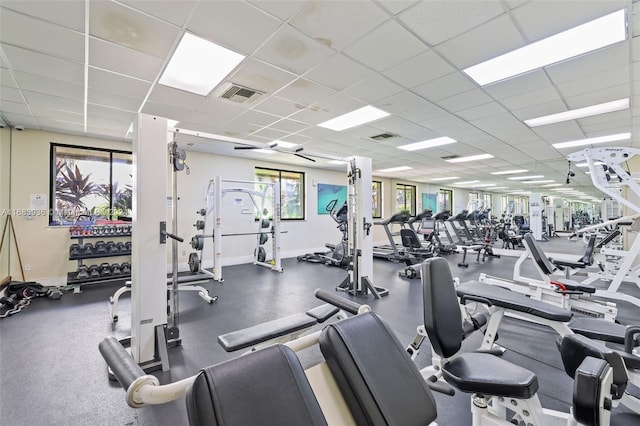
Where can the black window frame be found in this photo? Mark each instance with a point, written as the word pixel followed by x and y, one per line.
pixel 405 186
pixel 303 196
pixel 378 202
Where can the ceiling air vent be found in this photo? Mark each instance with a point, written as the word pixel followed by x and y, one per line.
pixel 450 157
pixel 239 94
pixel 383 136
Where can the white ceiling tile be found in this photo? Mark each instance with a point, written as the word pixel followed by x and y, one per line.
pixel 465 100
pixel 593 63
pixel 44 65
pixel 41 100
pixel 21 120
pixel 612 126
pixel 447 124
pixel 44 115
pixel 270 134
pixel 221 109
pixel 240 128
pixel 518 85
pixel 163 110
pixel 558 132
pixel 165 10
pixel 540 19
pixel 598 96
pixel 14 107
pixel 507 128
pixel 594 82
pixel 372 89
pixel 113 57
pixel 338 23
pixel 403 128
pixel 100 97
pixel 282 9
pixel 127 27
pixel 420 69
pixel 480 111
pixel 338 72
pixel 258 118
pixel 67 13
pixel 236 25
pixel 304 91
pixel 312 116
pixel 261 76
pixel 170 96
pixel 491 39
pixel 535 97
pixel 117 83
pixel 338 104
pixel 10 94
pixel 379 49
pixel 111 116
pixel 36 83
pixel 29 33
pixel 424 112
pixel 400 102
pixel 540 110
pixel 104 132
pixel 446 86
pixel 542 151
pixel 397 6
pixel 297 139
pixel 288 126
pixel 293 51
pixel 59 126
pixel 437 21
pixel 277 106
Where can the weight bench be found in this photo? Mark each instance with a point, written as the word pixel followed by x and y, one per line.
pixel 279 330
pixel 185 283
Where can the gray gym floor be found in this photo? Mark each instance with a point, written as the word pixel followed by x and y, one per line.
pixel 52 373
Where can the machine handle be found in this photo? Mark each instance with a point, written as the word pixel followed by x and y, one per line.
pixel 121 363
pixel 175 237
pixel 471 297
pixel 441 387
pixel 629 337
pixel 341 302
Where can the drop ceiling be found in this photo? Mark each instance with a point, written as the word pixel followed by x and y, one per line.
pixel 87 67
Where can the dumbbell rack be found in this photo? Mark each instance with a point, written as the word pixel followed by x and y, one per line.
pixel 71 276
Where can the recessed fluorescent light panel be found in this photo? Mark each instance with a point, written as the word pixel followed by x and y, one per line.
pixel 264 151
pixel 354 118
pixel 469 182
pixel 431 143
pixel 595 163
pixel 337 162
pixel 574 114
pixel 526 177
pixel 470 158
pixel 549 185
pixel 510 172
pixel 584 38
pixel 592 141
pixel 395 169
pixel 446 178
pixel 501 187
pixel 484 185
pixel 198 65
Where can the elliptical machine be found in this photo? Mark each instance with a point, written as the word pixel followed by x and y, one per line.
pixel 338 253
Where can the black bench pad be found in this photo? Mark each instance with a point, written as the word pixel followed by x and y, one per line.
pixel 487 374
pixel 569 264
pixel 576 286
pixel 378 380
pixel 323 312
pixel 251 336
pixel 514 301
pixel 599 329
pixel 266 387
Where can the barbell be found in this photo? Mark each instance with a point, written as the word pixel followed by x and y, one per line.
pixel 197 241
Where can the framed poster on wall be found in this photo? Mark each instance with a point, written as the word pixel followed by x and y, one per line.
pixel 328 193
pixel 430 202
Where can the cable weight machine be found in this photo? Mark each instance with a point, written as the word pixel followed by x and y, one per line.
pixel 360 241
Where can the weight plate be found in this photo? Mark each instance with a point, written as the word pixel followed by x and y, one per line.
pixel 263 238
pixel 261 254
pixel 197 242
pixel 199 225
pixel 194 262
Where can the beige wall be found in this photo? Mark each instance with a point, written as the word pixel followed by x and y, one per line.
pixel 44 249
pixel 5 167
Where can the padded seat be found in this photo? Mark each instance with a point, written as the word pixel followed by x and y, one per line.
pixel 572 285
pixel 323 312
pixel 512 300
pixel 596 328
pixel 267 387
pixel 487 374
pixel 378 380
pixel 250 336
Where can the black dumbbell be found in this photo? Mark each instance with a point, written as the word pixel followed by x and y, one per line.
pixel 128 246
pixel 105 270
pixel 125 268
pixel 94 271
pixel 88 249
pixel 83 272
pixel 121 247
pixel 115 269
pixel 75 250
pixel 112 248
pixel 101 247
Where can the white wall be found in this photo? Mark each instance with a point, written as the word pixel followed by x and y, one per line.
pixel 5 179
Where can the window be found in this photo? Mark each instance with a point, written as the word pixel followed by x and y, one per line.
pixel 89 181
pixel 445 200
pixel 406 198
pixel 488 200
pixel 291 191
pixel 376 194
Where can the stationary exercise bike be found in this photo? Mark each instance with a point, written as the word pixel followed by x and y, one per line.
pixel 338 253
